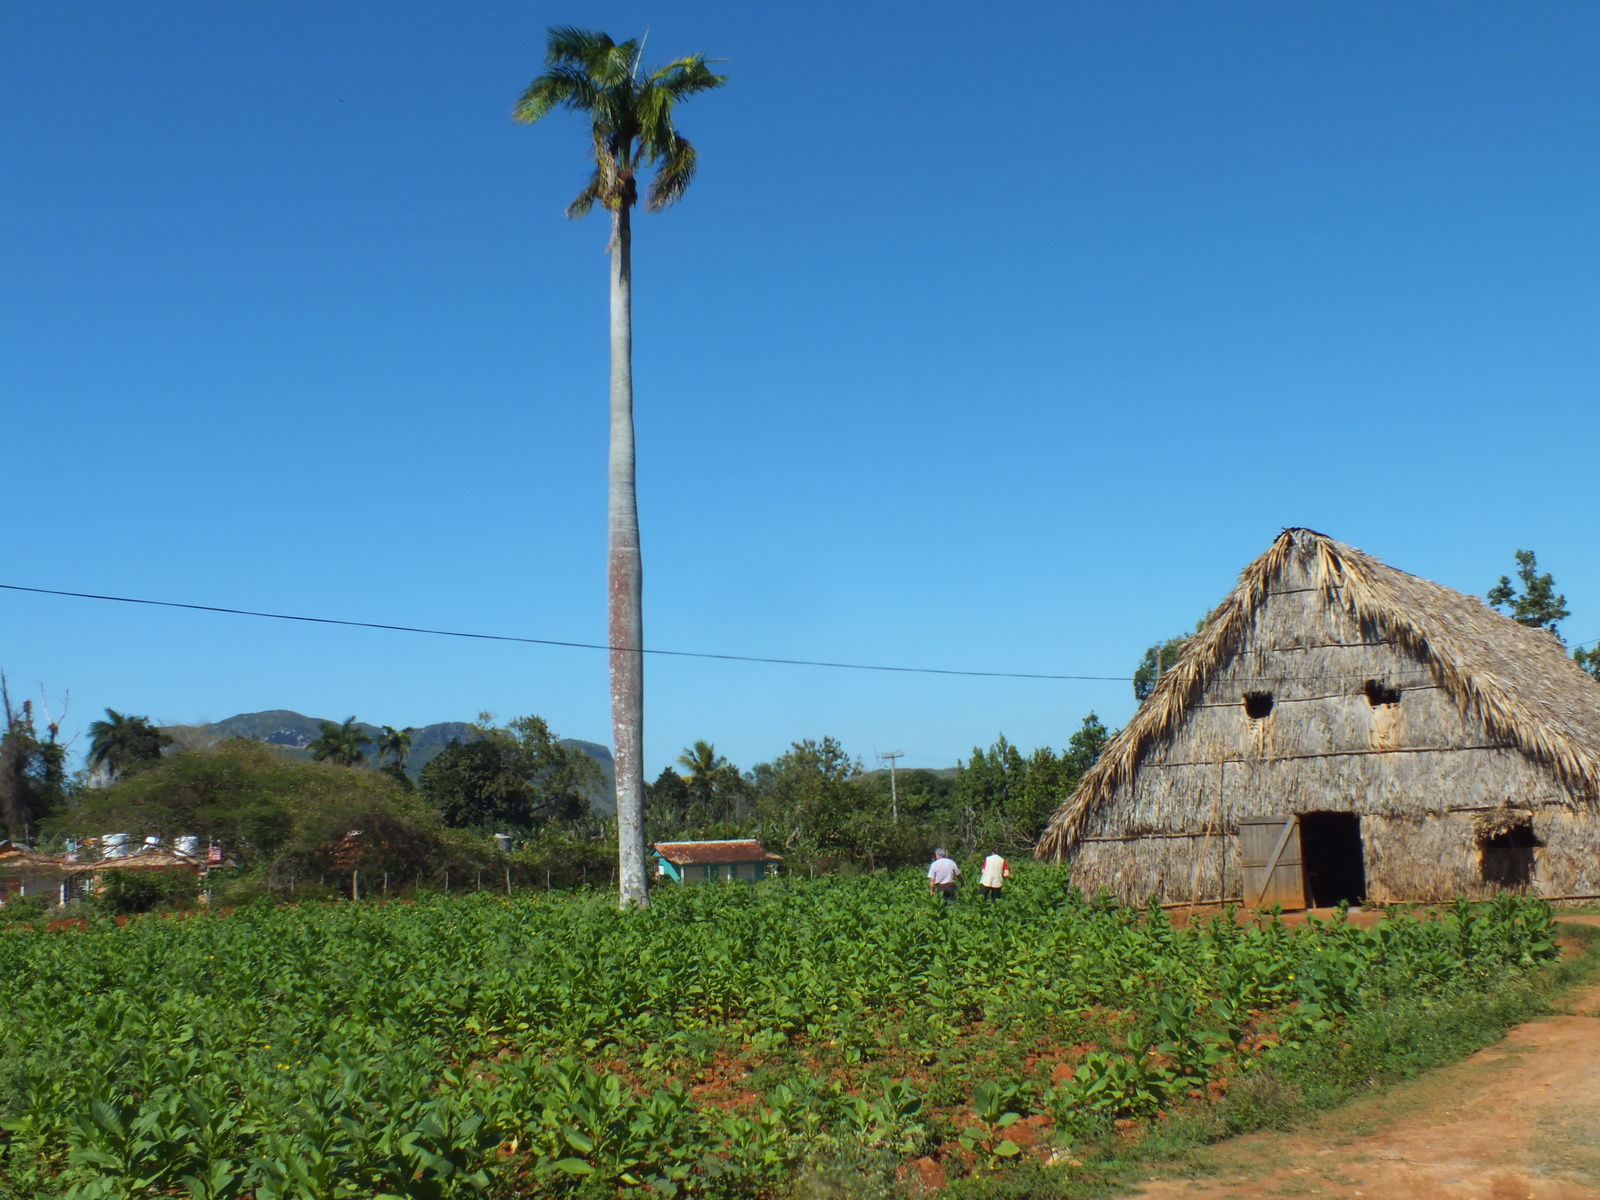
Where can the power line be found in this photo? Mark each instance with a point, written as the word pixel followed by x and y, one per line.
pixel 501 637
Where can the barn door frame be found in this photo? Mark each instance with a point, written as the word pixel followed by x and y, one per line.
pixel 1260 870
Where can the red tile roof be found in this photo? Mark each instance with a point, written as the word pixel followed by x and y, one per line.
pixel 690 854
pixel 155 860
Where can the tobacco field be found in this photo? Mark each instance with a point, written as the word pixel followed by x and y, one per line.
pixel 733 1040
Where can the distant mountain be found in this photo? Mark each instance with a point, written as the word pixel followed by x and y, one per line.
pixel 295 732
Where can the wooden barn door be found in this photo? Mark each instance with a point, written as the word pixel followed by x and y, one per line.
pixel 1270 848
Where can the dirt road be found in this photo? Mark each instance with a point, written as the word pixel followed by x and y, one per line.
pixel 1519 1120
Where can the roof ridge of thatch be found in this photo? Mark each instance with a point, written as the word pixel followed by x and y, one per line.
pixel 1551 713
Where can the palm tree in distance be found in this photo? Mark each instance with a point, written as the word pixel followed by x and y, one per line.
pixel 703 768
pixel 118 742
pixel 395 744
pixel 344 744
pixel 630 118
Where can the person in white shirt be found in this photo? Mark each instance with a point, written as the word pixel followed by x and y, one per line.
pixel 942 876
pixel 993 878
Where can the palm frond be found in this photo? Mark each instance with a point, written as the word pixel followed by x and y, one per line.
pixel 685 77
pixel 615 68
pixel 608 63
pixel 653 116
pixel 567 44
pixel 585 201
pixel 560 87
pixel 673 176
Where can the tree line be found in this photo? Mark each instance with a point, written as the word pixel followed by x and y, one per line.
pixel 815 805
pixel 283 817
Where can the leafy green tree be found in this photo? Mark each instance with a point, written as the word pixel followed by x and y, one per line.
pixel 1589 660
pixel 989 788
pixel 343 744
pixel 510 779
pixel 629 111
pixel 1084 747
pixel 805 798
pixel 270 809
pixel 473 786
pixel 1006 799
pixel 668 803
pixel 1537 605
pixel 398 773
pixel 1049 780
pixel 927 798
pixel 123 743
pixel 1159 659
pixel 866 832
pixel 32 769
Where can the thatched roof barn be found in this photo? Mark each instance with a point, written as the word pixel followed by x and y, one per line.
pixel 1340 730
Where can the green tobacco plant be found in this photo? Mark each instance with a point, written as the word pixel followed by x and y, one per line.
pixel 714 1045
pixel 992 1116
pixel 889 1120
pixel 1118 1085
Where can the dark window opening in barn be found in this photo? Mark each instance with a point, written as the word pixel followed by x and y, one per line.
pixel 1508 857
pixel 1257 705
pixel 1330 849
pixel 1379 693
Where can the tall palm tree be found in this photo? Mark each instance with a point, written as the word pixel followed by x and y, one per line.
pixel 630 118
pixel 395 743
pixel 344 744
pixel 120 741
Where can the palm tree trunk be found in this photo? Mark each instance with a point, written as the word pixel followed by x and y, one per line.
pixel 624 580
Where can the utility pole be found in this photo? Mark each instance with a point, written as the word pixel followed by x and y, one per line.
pixel 894 795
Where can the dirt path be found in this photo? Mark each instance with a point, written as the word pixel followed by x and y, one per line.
pixel 1519 1120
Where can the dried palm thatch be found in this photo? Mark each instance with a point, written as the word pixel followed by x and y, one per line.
pixel 1498 822
pixel 1516 682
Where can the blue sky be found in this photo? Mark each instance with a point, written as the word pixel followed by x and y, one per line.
pixel 992 337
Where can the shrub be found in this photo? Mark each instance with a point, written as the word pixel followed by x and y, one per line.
pixel 23 908
pixel 142 891
pixel 1261 1100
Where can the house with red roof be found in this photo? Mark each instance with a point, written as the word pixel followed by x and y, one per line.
pixel 739 859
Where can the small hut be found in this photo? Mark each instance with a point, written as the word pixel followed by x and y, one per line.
pixel 88 875
pixel 1340 730
pixel 745 859
pixel 24 873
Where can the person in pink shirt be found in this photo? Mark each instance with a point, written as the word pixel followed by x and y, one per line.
pixel 942 875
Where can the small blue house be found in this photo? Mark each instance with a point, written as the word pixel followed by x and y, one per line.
pixel 691 862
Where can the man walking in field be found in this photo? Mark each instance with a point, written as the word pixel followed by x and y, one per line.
pixel 942 876
pixel 994 876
